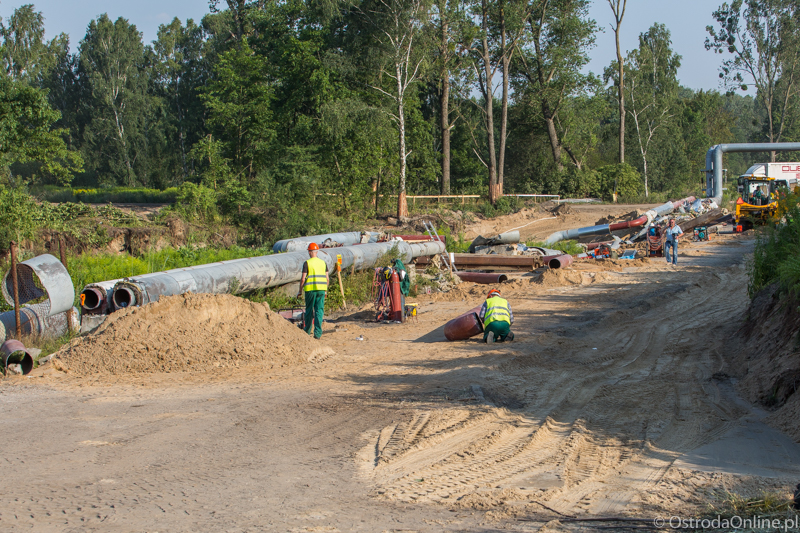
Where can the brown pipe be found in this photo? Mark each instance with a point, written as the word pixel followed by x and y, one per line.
pixel 482 260
pixel 558 261
pixel 412 238
pixel 482 277
pixel 12 347
pixel 593 245
pixel 464 326
pixel 641 221
pixel 92 298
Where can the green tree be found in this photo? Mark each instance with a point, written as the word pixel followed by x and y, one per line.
pixel 762 36
pixel 27 134
pixel 652 88
pixel 116 105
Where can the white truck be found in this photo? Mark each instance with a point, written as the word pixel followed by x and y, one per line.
pixel 789 172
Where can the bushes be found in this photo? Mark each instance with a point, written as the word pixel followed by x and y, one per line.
pixel 124 195
pixel 622 178
pixel 777 253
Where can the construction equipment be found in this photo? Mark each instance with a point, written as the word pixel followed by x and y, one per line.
pixel 655 242
pixel 388 298
pixel 759 192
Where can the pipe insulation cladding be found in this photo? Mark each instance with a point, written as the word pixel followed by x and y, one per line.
pixel 241 275
pixel 713 168
pixel 300 244
pixel 40 277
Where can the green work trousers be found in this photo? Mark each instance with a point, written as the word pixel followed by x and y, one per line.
pixel 500 329
pixel 315 307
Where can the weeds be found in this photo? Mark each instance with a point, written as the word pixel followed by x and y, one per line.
pixel 776 257
pixel 767 506
pixel 568 247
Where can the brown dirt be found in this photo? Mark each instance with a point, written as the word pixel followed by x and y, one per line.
pixel 191 332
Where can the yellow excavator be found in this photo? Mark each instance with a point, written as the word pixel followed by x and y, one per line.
pixel 758 199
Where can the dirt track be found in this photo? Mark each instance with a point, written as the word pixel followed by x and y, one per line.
pixel 613 399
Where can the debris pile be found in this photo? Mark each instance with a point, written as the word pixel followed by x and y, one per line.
pixel 191 332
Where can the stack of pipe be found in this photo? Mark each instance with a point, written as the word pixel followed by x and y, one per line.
pixel 242 275
pixel 41 277
pixel 647 218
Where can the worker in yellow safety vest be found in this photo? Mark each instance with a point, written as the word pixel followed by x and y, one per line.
pixel 497 318
pixel 314 284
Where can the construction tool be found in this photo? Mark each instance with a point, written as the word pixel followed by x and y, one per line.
pixel 339 275
pixel 435 236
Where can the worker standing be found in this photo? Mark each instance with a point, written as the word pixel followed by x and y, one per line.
pixel 313 284
pixel 497 318
pixel 673 234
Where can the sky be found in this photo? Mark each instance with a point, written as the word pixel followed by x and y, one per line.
pixel 686 19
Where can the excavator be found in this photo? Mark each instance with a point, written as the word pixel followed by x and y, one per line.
pixel 758 199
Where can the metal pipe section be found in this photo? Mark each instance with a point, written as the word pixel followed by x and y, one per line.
pixel 464 326
pixel 13 352
pixel 413 238
pixel 253 273
pixel 36 322
pixel 300 244
pixel 40 277
pixel 482 277
pixel 489 260
pixel 648 217
pixel 96 298
pixel 714 162
pixel 558 261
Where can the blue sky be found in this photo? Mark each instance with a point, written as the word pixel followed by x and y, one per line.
pixel 686 19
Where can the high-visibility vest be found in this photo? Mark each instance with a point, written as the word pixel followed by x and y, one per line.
pixel 316 279
pixel 496 311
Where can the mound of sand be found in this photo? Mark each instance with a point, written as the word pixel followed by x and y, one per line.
pixel 191 332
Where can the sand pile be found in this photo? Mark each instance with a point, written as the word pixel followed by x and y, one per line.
pixel 191 332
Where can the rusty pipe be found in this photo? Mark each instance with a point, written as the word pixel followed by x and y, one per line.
pixel 482 277
pixel 558 261
pixel 413 238
pixel 13 352
pixel 483 260
pixel 464 326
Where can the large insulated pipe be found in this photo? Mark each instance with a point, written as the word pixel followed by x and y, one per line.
pixel 13 352
pixel 648 217
pixel 299 244
pixel 714 162
pixel 42 277
pixel 95 298
pixel 464 326
pixel 36 322
pixel 253 273
pixel 482 277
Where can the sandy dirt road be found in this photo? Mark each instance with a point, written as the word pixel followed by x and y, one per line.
pixel 614 399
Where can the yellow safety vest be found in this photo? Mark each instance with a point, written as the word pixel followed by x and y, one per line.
pixel 316 279
pixel 496 311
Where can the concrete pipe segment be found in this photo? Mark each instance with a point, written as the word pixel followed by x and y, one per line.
pixel 13 352
pixel 42 276
pixel 464 326
pixel 96 298
pixel 243 275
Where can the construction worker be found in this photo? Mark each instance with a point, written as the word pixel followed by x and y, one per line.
pixel 497 318
pixel 673 232
pixel 314 283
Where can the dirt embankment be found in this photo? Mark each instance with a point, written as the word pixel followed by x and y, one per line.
pixel 769 357
pixel 191 332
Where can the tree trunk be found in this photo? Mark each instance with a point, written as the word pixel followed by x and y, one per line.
pixel 555 144
pixel 487 67
pixel 646 188
pixel 402 205
pixel 504 106
pixel 445 110
pixel 621 97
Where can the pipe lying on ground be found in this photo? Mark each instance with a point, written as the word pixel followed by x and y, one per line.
pixel 96 298
pixel 242 275
pixel 464 326
pixel 413 238
pixel 299 244
pixel 511 237
pixel 13 352
pixel 558 261
pixel 648 217
pixel 42 276
pixel 36 322
pixel 482 277
pixel 481 260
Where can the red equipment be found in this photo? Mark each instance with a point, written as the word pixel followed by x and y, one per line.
pixel 389 301
pixel 313 246
pixel 655 242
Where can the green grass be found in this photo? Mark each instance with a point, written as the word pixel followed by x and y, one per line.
pixel 568 247
pixel 750 513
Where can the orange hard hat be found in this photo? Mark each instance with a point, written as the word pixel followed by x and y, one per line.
pixel 493 292
pixel 313 246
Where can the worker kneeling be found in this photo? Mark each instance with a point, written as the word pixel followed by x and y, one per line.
pixel 497 318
